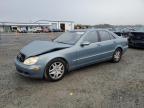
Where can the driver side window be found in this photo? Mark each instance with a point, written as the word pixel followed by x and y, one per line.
pixel 91 37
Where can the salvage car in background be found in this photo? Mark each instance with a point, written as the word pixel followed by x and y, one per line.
pixel 71 50
pixel 22 30
pixel 37 30
pixel 123 34
pixel 46 30
pixel 136 39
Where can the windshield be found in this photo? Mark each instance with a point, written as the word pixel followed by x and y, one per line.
pixel 69 37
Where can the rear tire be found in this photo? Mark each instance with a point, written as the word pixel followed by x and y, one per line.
pixel 55 70
pixel 117 55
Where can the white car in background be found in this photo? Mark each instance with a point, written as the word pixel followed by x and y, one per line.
pixel 22 30
pixel 30 29
pixel 35 30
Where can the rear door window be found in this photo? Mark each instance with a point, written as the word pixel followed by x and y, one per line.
pixel 91 37
pixel 104 35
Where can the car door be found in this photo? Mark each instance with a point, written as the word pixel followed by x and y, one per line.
pixel 107 44
pixel 88 53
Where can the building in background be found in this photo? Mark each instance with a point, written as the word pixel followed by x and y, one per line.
pixel 38 26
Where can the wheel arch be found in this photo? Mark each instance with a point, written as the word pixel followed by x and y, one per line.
pixel 119 47
pixel 67 64
pixel 62 58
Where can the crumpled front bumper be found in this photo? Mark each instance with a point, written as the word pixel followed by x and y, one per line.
pixel 33 71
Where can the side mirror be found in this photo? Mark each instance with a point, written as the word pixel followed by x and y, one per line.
pixel 85 43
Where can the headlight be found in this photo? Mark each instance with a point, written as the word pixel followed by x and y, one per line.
pixel 31 61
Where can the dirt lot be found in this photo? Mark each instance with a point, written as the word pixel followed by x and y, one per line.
pixel 103 85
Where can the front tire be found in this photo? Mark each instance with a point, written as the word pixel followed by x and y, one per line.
pixel 117 55
pixel 55 70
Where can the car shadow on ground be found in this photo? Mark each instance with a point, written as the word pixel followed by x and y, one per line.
pixel 87 68
pixel 31 80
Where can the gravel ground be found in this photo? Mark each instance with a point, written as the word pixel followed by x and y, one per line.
pixel 103 85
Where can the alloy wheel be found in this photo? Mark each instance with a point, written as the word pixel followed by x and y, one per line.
pixel 117 55
pixel 56 70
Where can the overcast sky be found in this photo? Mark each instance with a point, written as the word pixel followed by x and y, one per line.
pixel 80 11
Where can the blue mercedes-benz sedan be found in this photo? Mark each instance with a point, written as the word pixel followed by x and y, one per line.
pixel 72 50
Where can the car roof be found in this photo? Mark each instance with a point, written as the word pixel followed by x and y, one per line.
pixel 78 30
pixel 86 30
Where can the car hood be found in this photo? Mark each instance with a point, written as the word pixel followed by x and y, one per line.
pixel 41 47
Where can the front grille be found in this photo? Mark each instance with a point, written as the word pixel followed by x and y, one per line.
pixel 21 57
